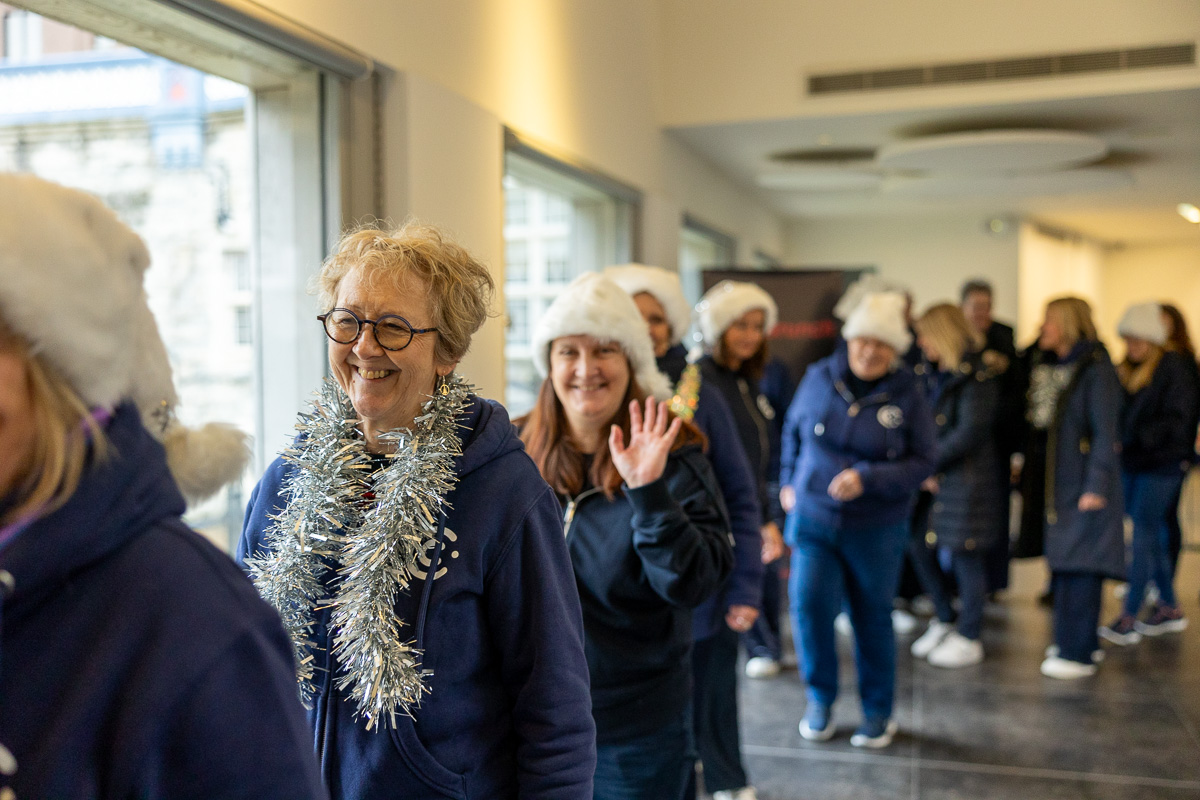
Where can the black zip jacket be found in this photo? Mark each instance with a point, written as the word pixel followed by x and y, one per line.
pixel 642 561
pixel 1158 423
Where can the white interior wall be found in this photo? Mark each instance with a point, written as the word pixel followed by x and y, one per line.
pixel 580 77
pixel 933 256
pixel 1051 267
pixel 1162 273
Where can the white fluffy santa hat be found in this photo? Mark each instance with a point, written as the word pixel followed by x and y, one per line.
pixel 593 305
pixel 661 284
pixel 880 315
pixel 71 285
pixel 728 300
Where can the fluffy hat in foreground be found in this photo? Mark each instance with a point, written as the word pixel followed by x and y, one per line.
pixel 71 285
pixel 593 305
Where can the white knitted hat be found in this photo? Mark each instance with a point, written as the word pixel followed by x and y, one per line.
pixel 1144 321
pixel 71 285
pixel 880 315
pixel 661 284
pixel 868 283
pixel 592 305
pixel 728 300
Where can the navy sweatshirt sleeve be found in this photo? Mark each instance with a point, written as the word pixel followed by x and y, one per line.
pixel 533 609
pixel 736 480
pixel 790 438
pixel 975 421
pixel 902 477
pixel 680 532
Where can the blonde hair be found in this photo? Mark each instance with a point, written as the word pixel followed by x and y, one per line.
pixel 66 438
pixel 460 287
pixel 947 328
pixel 1135 377
pixel 1075 315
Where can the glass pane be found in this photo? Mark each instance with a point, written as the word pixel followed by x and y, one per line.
pixel 167 147
pixel 555 228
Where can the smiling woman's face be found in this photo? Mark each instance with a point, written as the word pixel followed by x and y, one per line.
pixel 386 387
pixel 590 378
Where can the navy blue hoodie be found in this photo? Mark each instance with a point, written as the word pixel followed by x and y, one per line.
pixel 136 659
pixel 508 713
pixel 889 436
pixel 642 560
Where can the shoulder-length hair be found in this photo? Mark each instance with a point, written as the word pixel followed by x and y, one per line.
pixel 752 368
pixel 548 441
pixel 1075 316
pixel 66 438
pixel 1178 339
pixel 947 328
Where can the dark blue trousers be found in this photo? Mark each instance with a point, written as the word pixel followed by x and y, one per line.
pixel 970 576
pixel 714 668
pixel 1148 498
pixel 656 766
pixel 1076 613
pixel 763 638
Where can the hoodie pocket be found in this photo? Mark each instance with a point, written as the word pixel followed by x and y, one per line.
pixel 424 767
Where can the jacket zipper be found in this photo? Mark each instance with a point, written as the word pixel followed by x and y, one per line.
pixel 572 505
pixel 764 440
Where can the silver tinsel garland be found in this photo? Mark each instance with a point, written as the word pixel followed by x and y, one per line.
pixel 373 545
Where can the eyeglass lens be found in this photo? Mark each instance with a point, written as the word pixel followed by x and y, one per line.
pixel 392 332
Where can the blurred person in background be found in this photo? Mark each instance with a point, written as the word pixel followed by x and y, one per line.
pixel 858 442
pixel 1073 510
pixel 1180 341
pixel 957 512
pixel 735 320
pixel 1158 435
pixel 717 622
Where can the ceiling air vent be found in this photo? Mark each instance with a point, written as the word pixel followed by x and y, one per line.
pixel 1172 55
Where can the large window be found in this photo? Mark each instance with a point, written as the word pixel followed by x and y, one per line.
pixel 700 247
pixel 558 224
pixel 233 186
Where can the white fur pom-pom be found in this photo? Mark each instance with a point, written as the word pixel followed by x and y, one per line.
pixel 203 460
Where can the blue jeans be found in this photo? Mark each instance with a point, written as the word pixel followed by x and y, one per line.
pixel 1076 613
pixel 1148 497
pixel 970 573
pixel 858 568
pixel 651 767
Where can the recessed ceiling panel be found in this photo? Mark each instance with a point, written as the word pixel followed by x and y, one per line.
pixel 1043 184
pixel 993 151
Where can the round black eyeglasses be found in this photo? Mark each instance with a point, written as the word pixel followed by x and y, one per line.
pixel 392 331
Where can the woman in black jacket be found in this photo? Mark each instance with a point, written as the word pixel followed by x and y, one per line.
pixel 963 499
pixel 1157 434
pixel 645 525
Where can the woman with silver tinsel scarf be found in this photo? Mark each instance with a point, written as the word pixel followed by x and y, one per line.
pixel 416 555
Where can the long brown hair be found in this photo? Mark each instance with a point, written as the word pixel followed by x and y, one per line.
pixel 547 438
pixel 1178 341
pixel 752 368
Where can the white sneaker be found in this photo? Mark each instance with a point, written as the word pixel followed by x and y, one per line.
pixel 761 667
pixel 1066 670
pixel 1097 655
pixel 931 638
pixel 956 651
pixel 903 622
pixel 841 624
pixel 744 793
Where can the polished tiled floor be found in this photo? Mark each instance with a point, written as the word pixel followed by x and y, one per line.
pixel 1000 729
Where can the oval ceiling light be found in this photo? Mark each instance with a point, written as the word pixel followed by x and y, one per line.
pixel 1045 184
pixel 993 151
pixel 819 179
pixel 1189 212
